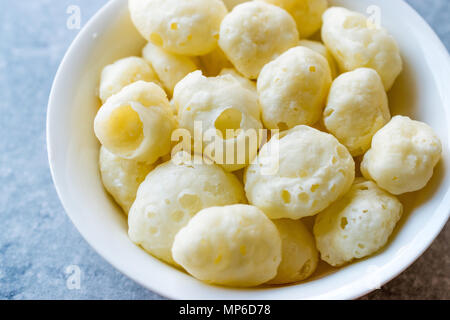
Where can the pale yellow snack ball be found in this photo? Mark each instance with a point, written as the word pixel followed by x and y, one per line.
pixel 136 123
pixel 123 72
pixel 319 47
pixel 255 33
pixel 179 26
pixel 357 225
pixel 298 173
pixel 299 254
pixel 293 88
pixel 233 246
pixel 170 67
pixel 402 156
pixel 122 177
pixel 357 108
pixel 307 13
pixel 355 42
pixel 214 62
pixel 217 105
pixel 171 195
pixel 246 83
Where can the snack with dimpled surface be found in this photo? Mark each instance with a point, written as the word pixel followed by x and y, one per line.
pixel 171 195
pixel 357 225
pixel 233 245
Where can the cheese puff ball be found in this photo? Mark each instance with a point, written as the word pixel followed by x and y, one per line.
pixel 170 67
pixel 356 43
pixel 122 177
pixel 214 62
pixel 357 108
pixel 219 105
pixel 306 13
pixel 299 256
pixel 136 123
pixel 402 156
pixel 233 3
pixel 319 47
pixel 298 173
pixel 123 72
pixel 246 83
pixel 179 26
pixel 255 33
pixel 357 225
pixel 171 195
pixel 293 88
pixel 234 245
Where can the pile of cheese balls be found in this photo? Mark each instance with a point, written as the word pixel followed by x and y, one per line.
pixel 249 65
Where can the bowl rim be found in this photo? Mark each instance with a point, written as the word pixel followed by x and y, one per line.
pixel 351 291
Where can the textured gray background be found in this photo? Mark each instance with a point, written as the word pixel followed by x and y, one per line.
pixel 37 240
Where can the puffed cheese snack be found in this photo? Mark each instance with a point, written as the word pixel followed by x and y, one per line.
pixel 319 47
pixel 170 67
pixel 179 26
pixel 357 43
pixel 293 88
pixel 123 72
pixel 255 33
pixel 357 108
pixel 218 104
pixel 136 123
pixel 306 13
pixel 357 225
pixel 234 245
pixel 122 177
pixel 171 195
pixel 246 83
pixel 299 256
pixel 402 156
pixel 298 173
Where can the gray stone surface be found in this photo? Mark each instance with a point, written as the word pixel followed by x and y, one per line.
pixel 37 240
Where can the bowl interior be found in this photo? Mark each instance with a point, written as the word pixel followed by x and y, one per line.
pixel 419 92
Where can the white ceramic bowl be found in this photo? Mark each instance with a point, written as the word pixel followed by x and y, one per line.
pixel 422 92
